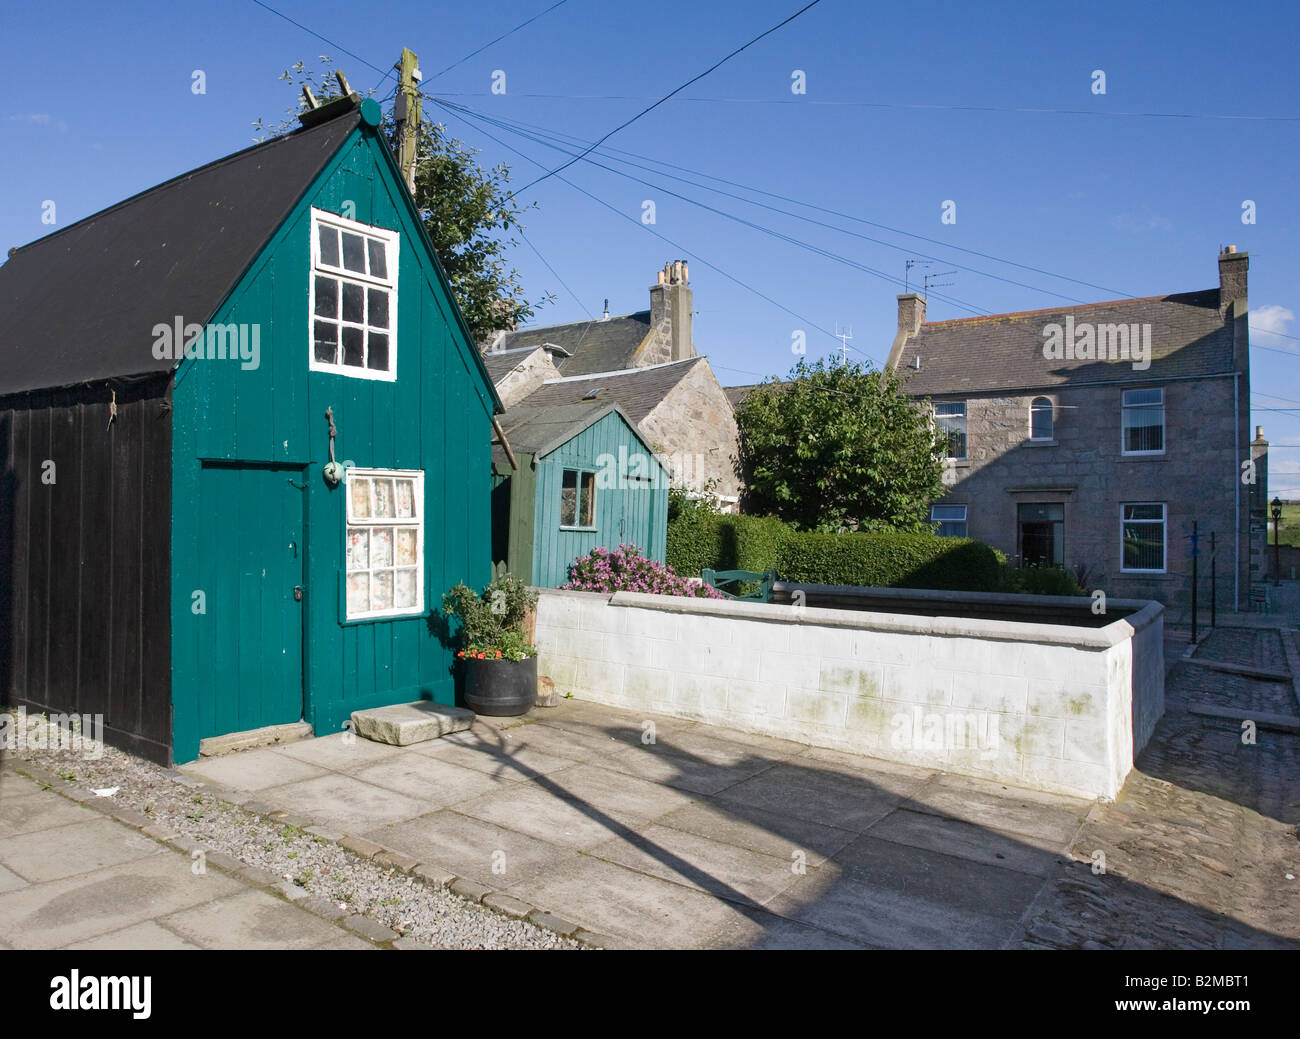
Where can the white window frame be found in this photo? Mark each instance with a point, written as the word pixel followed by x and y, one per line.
pixel 965 518
pixel 371 522
pixel 392 247
pixel 965 414
pixel 1164 536
pixel 1164 423
pixel 1041 440
pixel 581 471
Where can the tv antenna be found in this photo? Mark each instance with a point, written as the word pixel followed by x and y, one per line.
pixel 931 283
pixel 907 270
pixel 844 338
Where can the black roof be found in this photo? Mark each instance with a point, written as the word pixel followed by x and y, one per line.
pixel 540 429
pixel 1001 352
pixel 599 345
pixel 637 391
pixel 79 305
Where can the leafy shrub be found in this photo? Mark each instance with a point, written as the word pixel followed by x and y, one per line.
pixel 1040 580
pixel 700 540
pixel 893 560
pixel 627 570
pixel 492 624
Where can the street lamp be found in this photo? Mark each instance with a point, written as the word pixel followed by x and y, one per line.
pixel 1276 509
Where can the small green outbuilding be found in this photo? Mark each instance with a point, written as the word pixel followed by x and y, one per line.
pixel 581 477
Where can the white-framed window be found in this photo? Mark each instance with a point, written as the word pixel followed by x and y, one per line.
pixel 353 298
pixel 1042 419
pixel 1142 537
pixel 950 417
pixel 578 499
pixel 951 520
pixel 1144 422
pixel 385 542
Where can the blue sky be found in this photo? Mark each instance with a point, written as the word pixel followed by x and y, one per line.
pixel 905 107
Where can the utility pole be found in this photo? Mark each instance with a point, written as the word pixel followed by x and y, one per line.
pixel 406 112
pixel 844 338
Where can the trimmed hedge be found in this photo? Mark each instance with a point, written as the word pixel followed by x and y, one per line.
pixel 887 560
pixel 1041 580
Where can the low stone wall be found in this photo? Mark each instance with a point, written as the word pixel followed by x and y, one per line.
pixel 1051 707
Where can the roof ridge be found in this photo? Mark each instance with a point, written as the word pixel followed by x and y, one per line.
pixel 1063 310
pixel 570 324
pixel 622 371
pixel 206 167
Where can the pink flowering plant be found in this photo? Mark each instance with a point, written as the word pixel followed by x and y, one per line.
pixel 627 570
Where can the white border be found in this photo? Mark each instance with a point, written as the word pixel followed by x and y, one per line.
pixel 392 240
pixel 1164 425
pixel 417 475
pixel 594 525
pixel 1043 440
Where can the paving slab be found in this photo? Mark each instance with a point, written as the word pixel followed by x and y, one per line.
pixel 536 812
pixel 1047 817
pixel 513 755
pixel 715 867
pixel 58 913
pixel 13 786
pixel 765 930
pixel 758 830
pixel 965 840
pixel 342 752
pixel 75 848
pixel 802 791
pixel 432 782
pixel 468 847
pixel 641 909
pixel 10 881
pixel 343 802
pixel 40 810
pixel 616 793
pixel 676 767
pixel 251 919
pixel 253 769
pixel 147 935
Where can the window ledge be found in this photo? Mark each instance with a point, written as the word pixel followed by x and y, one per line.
pixel 1144 456
pixel 581 530
pixel 1040 443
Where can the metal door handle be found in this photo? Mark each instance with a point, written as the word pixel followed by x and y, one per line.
pixel 297 593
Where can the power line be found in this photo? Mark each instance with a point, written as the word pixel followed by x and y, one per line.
pixel 491 43
pixel 529 242
pixel 670 94
pixel 324 39
pixel 790 239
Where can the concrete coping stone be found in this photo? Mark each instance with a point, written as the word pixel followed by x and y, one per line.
pixel 403 724
pixel 1112 634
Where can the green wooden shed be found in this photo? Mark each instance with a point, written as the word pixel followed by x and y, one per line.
pixel 200 567
pixel 582 477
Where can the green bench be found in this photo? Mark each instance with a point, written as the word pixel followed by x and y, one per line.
pixel 717 578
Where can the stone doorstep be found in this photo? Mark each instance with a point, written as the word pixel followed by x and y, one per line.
pixel 403 724
pixel 432 876
pixel 213 746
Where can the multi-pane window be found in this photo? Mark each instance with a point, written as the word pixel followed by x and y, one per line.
pixel 578 498
pixel 1042 533
pixel 1142 536
pixel 951 520
pixel 353 297
pixel 385 542
pixel 1144 421
pixel 1042 419
pixel 950 417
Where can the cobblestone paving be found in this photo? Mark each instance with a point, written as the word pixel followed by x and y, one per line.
pixel 1200 841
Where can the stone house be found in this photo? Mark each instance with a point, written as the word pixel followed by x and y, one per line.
pixel 644 362
pixel 1095 436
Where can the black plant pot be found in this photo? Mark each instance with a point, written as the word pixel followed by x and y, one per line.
pixel 500 688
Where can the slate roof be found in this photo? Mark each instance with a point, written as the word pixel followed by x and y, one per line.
pixel 80 304
pixel 540 429
pixel 1189 337
pixel 637 391
pixel 595 346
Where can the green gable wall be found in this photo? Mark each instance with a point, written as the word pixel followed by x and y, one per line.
pixel 627 514
pixel 436 417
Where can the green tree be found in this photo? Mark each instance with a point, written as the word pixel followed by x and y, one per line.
pixel 839 446
pixel 468 211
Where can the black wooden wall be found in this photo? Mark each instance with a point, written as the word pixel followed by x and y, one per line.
pixel 85 624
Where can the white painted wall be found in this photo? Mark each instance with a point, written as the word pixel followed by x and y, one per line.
pixel 1049 707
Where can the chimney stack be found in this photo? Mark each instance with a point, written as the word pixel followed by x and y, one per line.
pixel 670 315
pixel 1232 278
pixel 911 316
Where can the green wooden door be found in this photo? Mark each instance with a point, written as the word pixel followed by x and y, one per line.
pixel 252 572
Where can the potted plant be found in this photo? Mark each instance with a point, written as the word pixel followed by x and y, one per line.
pixel 498 662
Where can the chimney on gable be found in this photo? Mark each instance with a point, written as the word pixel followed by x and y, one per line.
pixel 1232 277
pixel 911 316
pixel 670 315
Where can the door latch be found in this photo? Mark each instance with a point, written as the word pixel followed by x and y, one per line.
pixel 297 593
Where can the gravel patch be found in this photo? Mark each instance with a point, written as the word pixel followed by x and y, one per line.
pixel 310 864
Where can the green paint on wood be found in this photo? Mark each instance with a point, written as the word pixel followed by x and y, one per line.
pixel 434 417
